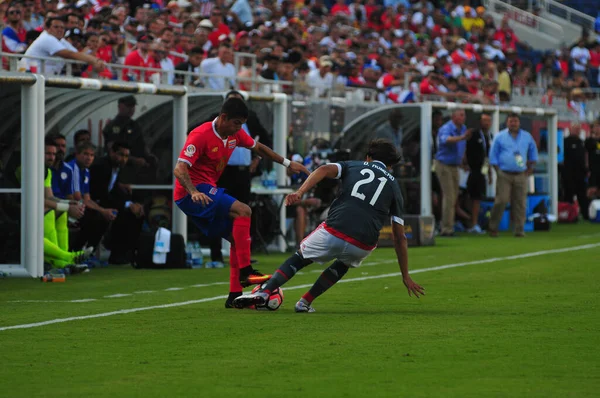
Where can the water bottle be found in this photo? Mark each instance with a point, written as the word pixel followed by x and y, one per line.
pixel 51 277
pixel 196 256
pixel 272 181
pixel 188 254
pixel 265 179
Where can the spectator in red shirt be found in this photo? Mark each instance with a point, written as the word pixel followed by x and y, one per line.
pixel 216 18
pixel 506 36
pixel 141 57
pixel 340 7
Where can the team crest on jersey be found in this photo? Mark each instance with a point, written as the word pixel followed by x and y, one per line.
pixel 116 129
pixel 215 149
pixel 190 151
pixel 212 191
pixel 231 144
pixel 63 175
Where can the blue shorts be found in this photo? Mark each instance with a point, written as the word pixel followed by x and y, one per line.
pixel 213 219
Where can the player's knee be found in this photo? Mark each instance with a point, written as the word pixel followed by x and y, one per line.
pixel 245 211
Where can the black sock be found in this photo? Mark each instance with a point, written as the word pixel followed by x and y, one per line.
pixel 328 278
pixel 287 271
pixel 233 295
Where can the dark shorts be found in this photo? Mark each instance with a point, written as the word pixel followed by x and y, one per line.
pixel 476 185
pixel 213 219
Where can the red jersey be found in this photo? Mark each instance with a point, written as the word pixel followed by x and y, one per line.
pixel 207 155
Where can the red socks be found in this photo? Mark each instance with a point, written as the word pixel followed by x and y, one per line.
pixel 242 240
pixel 234 271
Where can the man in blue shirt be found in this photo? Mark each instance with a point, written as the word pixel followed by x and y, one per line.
pixel 96 218
pixel 513 155
pixel 451 144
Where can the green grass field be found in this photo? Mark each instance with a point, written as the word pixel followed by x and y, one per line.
pixel 497 324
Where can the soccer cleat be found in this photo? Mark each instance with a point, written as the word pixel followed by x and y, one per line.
pixel 83 255
pixel 232 296
pixel 246 300
pixel 78 268
pixel 254 278
pixel 301 306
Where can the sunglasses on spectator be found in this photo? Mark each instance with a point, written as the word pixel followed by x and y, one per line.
pixel 14 12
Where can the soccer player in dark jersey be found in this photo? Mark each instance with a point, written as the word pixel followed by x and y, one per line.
pixel 199 166
pixel 369 196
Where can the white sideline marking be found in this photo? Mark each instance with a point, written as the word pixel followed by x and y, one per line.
pixel 118 295
pixel 364 278
pixel 173 289
pixel 210 284
pixel 144 292
pixel 53 301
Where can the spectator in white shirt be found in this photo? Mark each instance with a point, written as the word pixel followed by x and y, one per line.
pixel 166 63
pixel 48 45
pixel 321 79
pixel 221 66
pixel 580 56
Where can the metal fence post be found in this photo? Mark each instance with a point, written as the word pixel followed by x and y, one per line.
pixel 180 127
pixel 426 111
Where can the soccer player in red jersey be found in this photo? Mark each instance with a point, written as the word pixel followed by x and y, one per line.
pixel 199 166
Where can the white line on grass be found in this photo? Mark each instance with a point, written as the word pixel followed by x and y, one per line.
pixel 394 274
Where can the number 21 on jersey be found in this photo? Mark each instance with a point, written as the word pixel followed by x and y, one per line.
pixel 370 176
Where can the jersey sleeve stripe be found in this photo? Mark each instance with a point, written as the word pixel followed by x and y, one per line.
pixel 397 220
pixel 184 161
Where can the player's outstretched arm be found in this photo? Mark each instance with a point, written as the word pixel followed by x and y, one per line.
pixel 401 246
pixel 325 171
pixel 264 151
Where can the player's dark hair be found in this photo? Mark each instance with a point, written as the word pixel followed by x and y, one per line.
pixel 384 151
pixel 232 93
pixel 84 146
pixel 234 108
pixel 57 136
pixel 79 133
pixel 120 145
pixel 49 141
pixel 511 115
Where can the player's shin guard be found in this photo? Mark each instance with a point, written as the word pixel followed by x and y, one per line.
pixel 234 271
pixel 328 278
pixel 62 231
pixel 242 241
pixel 286 272
pixel 50 227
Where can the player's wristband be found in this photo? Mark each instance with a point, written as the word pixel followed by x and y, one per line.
pixel 286 162
pixel 62 206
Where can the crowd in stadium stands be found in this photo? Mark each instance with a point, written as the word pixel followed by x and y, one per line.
pixel 405 49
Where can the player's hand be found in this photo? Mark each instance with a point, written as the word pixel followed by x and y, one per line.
pixel 293 198
pixel 137 210
pixel 591 192
pixel 109 214
pixel 467 134
pixel 413 288
pixel 76 210
pixel 199 197
pixel 254 164
pixel 298 167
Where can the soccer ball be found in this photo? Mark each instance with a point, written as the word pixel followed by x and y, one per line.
pixel 274 302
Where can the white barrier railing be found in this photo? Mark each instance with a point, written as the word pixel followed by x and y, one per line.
pixel 194 81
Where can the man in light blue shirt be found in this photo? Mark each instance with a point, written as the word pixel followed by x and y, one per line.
pixel 513 155
pixel 451 144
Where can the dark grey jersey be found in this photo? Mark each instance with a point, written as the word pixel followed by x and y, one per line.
pixel 369 196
